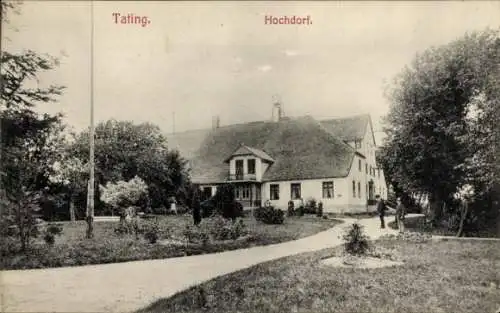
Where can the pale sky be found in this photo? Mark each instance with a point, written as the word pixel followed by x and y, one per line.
pixel 220 58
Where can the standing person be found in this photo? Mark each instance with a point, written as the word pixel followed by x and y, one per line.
pixel 173 203
pixel 400 215
pixel 381 210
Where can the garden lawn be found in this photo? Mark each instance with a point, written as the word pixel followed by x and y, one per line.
pixel 438 276
pixel 71 248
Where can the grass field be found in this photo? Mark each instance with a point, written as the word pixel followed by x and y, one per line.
pixel 72 248
pixel 438 276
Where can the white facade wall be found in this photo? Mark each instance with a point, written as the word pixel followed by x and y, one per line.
pixel 380 186
pixel 264 166
pixel 344 200
pixel 313 188
pixel 368 149
pixel 357 198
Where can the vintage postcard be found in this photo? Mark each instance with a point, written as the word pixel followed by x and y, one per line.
pixel 250 156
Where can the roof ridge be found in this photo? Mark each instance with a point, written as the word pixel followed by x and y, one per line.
pixel 320 119
pixel 208 129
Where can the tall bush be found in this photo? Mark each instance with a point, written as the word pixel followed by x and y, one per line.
pixel 223 203
pixel 121 195
pixel 311 206
pixel 269 215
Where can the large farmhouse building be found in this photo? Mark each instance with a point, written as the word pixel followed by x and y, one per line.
pixel 283 159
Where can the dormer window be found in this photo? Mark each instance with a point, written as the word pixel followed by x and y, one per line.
pixel 247 164
pixel 357 144
pixel 251 166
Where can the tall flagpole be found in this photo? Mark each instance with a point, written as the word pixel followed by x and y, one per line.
pixel 90 198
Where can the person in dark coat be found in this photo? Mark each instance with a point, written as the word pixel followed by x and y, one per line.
pixel 381 208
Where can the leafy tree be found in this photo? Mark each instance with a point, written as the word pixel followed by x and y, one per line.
pixel 30 141
pixel 124 150
pixel 431 146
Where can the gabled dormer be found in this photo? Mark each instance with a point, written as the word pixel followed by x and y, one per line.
pixel 248 164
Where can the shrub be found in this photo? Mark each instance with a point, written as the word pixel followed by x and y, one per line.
pixel 49 238
pixel 125 194
pixel 151 236
pixel 311 206
pixel 222 203
pixel 356 242
pixel 291 208
pixel 269 215
pixel 121 229
pixel 218 228
pixel 151 231
pixel 51 231
pixel 319 212
pixel 238 230
pixel 196 234
pixel 55 229
pixel 8 246
pixel 300 211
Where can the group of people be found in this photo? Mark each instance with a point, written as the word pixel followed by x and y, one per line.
pixel 400 212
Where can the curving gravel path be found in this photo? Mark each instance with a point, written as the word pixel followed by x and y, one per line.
pixel 123 287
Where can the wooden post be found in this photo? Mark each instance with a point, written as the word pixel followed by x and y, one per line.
pixel 90 197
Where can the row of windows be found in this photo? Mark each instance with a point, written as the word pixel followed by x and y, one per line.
pixel 250 166
pixel 295 191
pixel 243 192
pixel 358 189
pixel 372 169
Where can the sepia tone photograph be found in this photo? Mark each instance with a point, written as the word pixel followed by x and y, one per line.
pixel 250 156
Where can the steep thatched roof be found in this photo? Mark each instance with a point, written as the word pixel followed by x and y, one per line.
pixel 301 149
pixel 349 128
